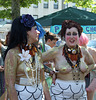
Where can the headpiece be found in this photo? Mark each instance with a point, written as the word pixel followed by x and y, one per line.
pixel 40 29
pixel 27 20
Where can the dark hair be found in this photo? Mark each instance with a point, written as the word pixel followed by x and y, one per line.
pixel 50 36
pixel 18 34
pixel 69 24
pixel 7 38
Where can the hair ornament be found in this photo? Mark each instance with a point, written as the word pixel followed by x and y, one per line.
pixel 27 20
pixel 40 29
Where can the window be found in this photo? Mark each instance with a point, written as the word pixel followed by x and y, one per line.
pixel 35 16
pixel 73 5
pixel 55 5
pixel 84 8
pixel 35 6
pixel 66 5
pixel 45 4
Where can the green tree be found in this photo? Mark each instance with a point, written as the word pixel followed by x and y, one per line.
pixel 11 8
pixel 84 4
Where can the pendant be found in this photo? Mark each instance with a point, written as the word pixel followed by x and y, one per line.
pixel 76 70
pixel 73 51
pixel 69 50
pixel 30 46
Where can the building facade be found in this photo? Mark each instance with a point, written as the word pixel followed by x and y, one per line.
pixel 46 8
pixel 40 10
pixel 43 8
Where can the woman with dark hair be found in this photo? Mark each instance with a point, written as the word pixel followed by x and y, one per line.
pixel 24 71
pixel 72 64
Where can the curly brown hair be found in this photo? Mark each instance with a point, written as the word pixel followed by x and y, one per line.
pixel 69 24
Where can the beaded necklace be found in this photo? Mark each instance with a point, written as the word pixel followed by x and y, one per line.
pixel 75 67
pixel 32 64
pixel 32 49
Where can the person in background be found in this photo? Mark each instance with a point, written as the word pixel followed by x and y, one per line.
pixel 50 42
pixel 7 38
pixel 3 47
pixel 24 71
pixel 2 79
pixel 72 64
pixel 83 41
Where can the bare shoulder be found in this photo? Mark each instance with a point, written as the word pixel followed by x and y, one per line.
pixel 13 51
pixel 91 49
pixel 84 50
pixel 87 56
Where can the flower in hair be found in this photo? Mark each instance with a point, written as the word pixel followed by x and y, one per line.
pixel 27 20
pixel 24 55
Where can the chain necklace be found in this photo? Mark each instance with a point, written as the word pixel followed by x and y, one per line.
pixel 75 66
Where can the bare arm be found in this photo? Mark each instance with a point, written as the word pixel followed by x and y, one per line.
pixel 88 60
pixel 10 75
pixel 92 51
pixel 45 86
pixel 49 55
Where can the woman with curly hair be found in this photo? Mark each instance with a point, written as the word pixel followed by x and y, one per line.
pixel 24 71
pixel 72 64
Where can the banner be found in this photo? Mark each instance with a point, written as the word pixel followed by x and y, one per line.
pixel 87 29
pixel 55 29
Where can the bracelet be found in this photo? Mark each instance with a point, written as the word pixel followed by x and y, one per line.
pixel 47 69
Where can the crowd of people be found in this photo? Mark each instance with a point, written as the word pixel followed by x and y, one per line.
pixel 68 65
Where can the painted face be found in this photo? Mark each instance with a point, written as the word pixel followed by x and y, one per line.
pixel 33 35
pixel 72 37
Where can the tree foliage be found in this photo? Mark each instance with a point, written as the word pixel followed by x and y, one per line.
pixel 11 8
pixel 84 4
